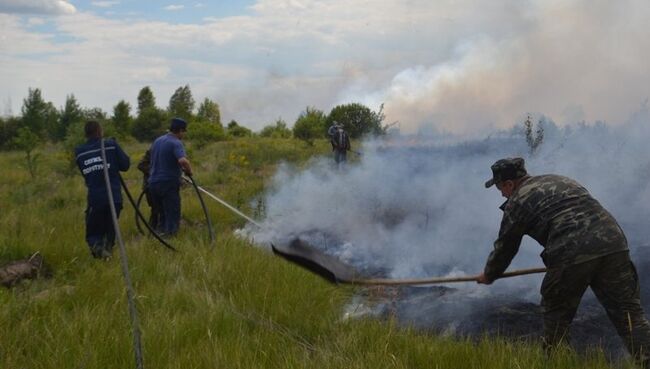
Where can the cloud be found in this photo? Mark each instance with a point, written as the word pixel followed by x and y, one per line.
pixel 104 4
pixel 51 7
pixel 174 7
pixel 456 65
pixel 35 21
pixel 569 60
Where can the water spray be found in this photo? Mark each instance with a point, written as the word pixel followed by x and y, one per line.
pixel 222 202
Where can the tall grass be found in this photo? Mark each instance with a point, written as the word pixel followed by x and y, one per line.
pixel 228 306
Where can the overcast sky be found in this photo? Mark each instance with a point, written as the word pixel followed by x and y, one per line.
pixel 459 65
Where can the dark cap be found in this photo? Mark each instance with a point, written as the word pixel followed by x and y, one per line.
pixel 177 124
pixel 505 169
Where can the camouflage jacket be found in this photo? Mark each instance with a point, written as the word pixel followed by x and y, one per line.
pixel 562 216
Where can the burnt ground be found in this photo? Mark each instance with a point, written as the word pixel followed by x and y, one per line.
pixel 474 314
pixel 446 311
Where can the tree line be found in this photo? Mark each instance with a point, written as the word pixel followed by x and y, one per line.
pixel 40 121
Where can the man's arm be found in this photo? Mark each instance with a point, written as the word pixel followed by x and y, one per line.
pixel 505 248
pixel 185 166
pixel 123 160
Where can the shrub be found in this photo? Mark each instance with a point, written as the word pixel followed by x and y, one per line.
pixel 202 133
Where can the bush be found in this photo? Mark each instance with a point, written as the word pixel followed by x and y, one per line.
pixel 310 125
pixel 149 124
pixel 357 120
pixel 8 130
pixel 235 130
pixel 278 130
pixel 202 133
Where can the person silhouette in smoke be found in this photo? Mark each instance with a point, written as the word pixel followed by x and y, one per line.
pixel 340 143
pixel 583 247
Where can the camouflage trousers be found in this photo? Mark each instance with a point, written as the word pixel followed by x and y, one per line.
pixel 615 283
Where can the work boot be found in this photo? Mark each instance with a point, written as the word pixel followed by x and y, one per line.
pixel 96 251
pixel 106 255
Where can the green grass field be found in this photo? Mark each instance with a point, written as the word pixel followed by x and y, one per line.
pixel 229 306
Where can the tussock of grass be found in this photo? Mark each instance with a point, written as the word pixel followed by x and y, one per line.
pixel 230 305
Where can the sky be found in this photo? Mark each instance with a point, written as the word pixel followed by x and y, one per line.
pixel 457 65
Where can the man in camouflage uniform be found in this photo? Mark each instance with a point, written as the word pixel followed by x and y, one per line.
pixel 583 247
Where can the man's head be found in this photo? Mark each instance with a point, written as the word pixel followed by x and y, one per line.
pixel 177 126
pixel 93 129
pixel 506 174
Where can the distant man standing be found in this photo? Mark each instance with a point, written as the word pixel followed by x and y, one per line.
pixel 100 232
pixel 583 247
pixel 340 142
pixel 168 158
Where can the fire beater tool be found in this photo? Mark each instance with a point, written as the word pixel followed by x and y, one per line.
pixel 335 271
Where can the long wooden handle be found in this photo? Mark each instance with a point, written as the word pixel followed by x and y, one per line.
pixel 437 280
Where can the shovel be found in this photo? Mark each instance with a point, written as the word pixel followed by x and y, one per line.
pixel 335 271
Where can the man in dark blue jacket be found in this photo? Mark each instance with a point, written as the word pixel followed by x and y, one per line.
pixel 100 233
pixel 168 158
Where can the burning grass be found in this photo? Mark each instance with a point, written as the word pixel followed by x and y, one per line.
pixel 234 306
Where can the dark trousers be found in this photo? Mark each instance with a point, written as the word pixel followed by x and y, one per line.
pixel 166 196
pixel 615 283
pixel 340 156
pixel 100 232
pixel 156 211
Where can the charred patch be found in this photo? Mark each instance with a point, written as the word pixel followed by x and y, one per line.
pixel 30 268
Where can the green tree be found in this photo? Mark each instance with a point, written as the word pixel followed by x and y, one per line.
pixel 357 120
pixel 235 130
pixel 38 115
pixel 68 115
pixel 95 114
pixel 27 141
pixel 209 112
pixel 201 133
pixel 310 125
pixel 146 100
pixel 121 118
pixel 8 131
pixel 181 104
pixel 533 141
pixel 277 130
pixel 149 124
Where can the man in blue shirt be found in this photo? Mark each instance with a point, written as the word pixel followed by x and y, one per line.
pixel 168 158
pixel 100 233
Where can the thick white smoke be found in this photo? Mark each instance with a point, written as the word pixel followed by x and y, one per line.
pixel 573 60
pixel 416 206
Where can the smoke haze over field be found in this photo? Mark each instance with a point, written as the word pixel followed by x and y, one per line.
pixel 416 207
pixel 462 66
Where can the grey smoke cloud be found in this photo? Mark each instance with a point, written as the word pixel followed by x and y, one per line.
pixel 573 60
pixel 462 66
pixel 416 206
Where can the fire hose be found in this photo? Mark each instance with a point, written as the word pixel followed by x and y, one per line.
pixel 140 218
pixel 222 202
pixel 205 210
pixel 130 293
